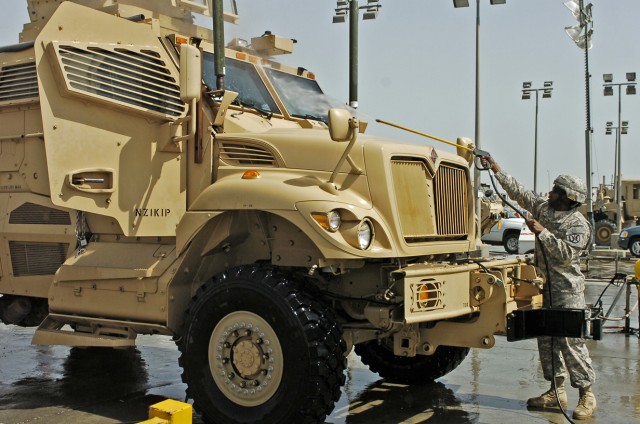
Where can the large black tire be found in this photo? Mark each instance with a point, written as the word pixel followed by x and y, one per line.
pixel 510 242
pixel 634 246
pixel 419 369
pixel 603 231
pixel 258 349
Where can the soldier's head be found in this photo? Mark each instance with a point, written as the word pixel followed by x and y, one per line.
pixel 568 192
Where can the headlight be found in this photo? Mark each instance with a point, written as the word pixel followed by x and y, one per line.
pixel 365 234
pixel 330 221
pixel 624 234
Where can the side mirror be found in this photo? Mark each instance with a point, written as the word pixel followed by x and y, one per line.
pixel 339 125
pixel 190 73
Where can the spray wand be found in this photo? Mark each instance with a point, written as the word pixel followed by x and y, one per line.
pixel 476 152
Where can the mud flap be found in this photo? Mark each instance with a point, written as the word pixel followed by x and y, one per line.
pixel 556 322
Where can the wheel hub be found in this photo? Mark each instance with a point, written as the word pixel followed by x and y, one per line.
pixel 245 358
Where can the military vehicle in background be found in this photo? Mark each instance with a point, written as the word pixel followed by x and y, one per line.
pixel 605 209
pixel 491 209
pixel 145 191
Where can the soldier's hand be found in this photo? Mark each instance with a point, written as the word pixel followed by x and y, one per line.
pixel 492 163
pixel 535 226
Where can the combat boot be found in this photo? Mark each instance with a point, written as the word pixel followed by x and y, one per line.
pixel 548 398
pixel 586 404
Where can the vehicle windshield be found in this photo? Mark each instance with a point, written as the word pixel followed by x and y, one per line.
pixel 243 78
pixel 302 97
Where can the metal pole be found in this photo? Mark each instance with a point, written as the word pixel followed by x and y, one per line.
pixel 535 151
pixel 614 183
pixel 476 171
pixel 588 132
pixel 627 311
pixel 218 43
pixel 353 53
pixel 618 170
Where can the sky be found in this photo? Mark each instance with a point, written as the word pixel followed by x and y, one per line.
pixel 417 69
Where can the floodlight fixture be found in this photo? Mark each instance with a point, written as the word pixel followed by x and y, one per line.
pixel 574 7
pixel 608 131
pixel 574 32
pixel 625 123
pixel 339 19
pixel 546 94
pixel 343 3
pixel 607 77
pixel 548 84
pixel 370 14
pixel 497 1
pixel 460 3
pixel 631 90
pixel 608 91
pixel 609 123
pixel 526 95
pixel 631 76
pixel 624 130
pixel 526 84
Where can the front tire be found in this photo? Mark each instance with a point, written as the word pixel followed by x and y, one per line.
pixel 510 242
pixel 603 231
pixel 256 348
pixel 419 369
pixel 634 247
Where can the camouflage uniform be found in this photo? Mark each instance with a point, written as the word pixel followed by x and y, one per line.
pixel 564 236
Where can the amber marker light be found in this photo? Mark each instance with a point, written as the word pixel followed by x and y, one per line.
pixel 330 221
pixel 250 174
pixel 423 293
pixel 181 40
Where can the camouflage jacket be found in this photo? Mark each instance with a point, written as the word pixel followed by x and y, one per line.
pixel 558 245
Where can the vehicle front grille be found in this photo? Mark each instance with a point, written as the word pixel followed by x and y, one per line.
pixel 430 207
pixel 18 82
pixel 450 192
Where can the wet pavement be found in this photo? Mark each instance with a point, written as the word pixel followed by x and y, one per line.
pixel 61 385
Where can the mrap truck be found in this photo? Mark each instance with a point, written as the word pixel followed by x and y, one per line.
pixel 144 191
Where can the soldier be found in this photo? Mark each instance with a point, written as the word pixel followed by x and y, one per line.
pixel 561 233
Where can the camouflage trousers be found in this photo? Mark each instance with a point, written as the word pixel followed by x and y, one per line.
pixel 569 355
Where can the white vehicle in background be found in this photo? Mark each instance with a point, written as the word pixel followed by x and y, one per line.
pixel 506 232
pixel 526 241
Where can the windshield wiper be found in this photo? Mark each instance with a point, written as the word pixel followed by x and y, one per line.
pixel 265 113
pixel 312 117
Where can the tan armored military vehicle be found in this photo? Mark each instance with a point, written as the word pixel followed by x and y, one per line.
pixel 144 193
pixel 605 209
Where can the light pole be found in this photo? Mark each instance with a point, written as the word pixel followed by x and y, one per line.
pixel 583 14
pixel 526 95
pixel 608 91
pixel 476 171
pixel 608 131
pixel 351 8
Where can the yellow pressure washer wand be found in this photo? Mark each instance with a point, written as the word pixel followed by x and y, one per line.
pixel 476 152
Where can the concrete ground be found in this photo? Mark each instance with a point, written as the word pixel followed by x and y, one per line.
pixel 59 385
